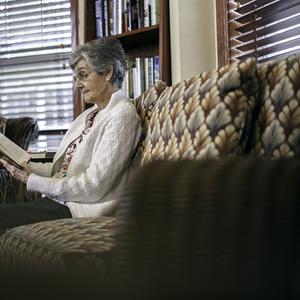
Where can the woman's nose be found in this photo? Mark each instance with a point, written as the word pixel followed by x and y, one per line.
pixel 78 84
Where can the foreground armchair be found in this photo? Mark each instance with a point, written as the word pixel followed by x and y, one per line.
pixel 22 131
pixel 211 228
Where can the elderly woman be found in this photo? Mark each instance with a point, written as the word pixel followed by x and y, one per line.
pixel 94 157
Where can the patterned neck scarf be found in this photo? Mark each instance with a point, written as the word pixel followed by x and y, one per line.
pixel 74 145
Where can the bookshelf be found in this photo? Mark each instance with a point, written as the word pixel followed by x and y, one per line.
pixel 144 42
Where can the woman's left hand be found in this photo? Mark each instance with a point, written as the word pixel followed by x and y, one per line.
pixel 20 174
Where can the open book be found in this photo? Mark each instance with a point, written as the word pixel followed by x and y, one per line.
pixel 16 153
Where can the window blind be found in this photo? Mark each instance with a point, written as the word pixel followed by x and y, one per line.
pixel 35 79
pixel 267 29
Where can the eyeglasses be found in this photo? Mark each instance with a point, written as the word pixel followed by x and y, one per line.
pixel 82 75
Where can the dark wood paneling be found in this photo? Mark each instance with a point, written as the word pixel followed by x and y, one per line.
pixel 90 20
pixel 164 42
pixel 222 33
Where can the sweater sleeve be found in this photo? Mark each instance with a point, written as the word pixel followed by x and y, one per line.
pixel 42 169
pixel 111 156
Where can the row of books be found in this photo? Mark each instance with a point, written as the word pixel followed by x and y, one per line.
pixel 119 16
pixel 141 75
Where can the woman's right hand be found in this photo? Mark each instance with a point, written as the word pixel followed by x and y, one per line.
pixel 20 174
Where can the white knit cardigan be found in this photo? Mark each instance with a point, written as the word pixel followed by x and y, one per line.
pixel 100 165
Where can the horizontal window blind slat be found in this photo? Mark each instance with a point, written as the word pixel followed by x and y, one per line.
pixel 268 20
pixel 23 102
pixel 267 10
pixel 56 117
pixel 23 75
pixel 56 12
pixel 33 32
pixel 37 46
pixel 34 67
pixel 27 2
pixel 34 28
pixel 41 82
pixel 273 49
pixel 33 88
pixel 33 55
pixel 49 57
pixel 244 2
pixel 252 6
pixel 270 40
pixel 25 39
pixel 22 6
pixel 278 56
pixel 294 20
pixel 43 21
pixel 46 109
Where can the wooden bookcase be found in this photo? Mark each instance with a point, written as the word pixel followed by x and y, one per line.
pixel 148 41
pixel 142 42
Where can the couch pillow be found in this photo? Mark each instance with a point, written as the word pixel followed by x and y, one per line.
pixel 145 104
pixel 2 124
pixel 277 120
pixel 205 116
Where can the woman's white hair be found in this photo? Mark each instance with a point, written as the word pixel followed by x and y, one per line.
pixel 101 55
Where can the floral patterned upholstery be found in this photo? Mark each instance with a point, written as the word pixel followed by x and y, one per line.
pixel 205 116
pixel 277 124
pixel 145 105
pixel 55 245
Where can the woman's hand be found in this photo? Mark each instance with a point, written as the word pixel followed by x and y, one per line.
pixel 20 174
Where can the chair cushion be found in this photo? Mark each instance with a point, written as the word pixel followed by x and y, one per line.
pixel 205 116
pixel 70 244
pixel 277 124
pixel 145 105
pixel 2 124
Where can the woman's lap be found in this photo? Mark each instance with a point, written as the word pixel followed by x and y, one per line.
pixel 12 215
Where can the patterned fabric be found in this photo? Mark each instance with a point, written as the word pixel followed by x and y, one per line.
pixel 227 225
pixel 73 146
pixel 277 127
pixel 59 244
pixel 145 105
pixel 206 116
pixel 2 125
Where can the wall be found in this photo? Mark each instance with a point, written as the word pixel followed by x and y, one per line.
pixel 193 37
pixel 81 21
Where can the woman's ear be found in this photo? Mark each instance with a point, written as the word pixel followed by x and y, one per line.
pixel 109 73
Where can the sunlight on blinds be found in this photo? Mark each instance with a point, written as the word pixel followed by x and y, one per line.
pixel 266 29
pixel 35 79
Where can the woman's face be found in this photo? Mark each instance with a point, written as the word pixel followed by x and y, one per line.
pixel 93 86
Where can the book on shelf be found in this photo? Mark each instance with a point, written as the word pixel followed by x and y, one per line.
pixel 120 16
pixel 16 154
pixel 142 74
pixel 99 14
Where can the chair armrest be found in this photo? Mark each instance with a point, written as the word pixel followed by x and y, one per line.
pixel 218 226
pixel 22 131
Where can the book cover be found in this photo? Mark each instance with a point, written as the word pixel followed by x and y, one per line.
pixel 156 68
pixel 99 17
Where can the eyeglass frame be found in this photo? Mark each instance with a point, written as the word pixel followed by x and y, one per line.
pixel 82 78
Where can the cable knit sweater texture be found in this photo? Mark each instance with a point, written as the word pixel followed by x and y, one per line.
pixel 99 167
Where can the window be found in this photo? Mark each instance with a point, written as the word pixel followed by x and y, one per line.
pixel 35 79
pixel 267 29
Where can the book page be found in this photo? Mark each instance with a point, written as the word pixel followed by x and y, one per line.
pixel 13 151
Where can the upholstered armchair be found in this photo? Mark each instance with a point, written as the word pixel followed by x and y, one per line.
pixel 22 131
